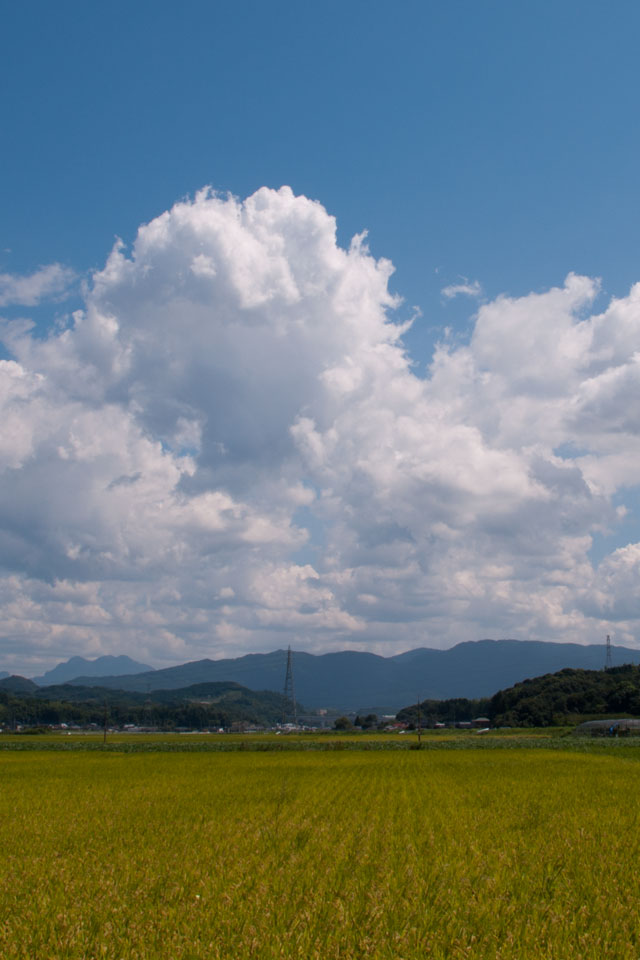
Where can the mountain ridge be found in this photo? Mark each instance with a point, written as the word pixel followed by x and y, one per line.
pixel 352 680
pixel 108 665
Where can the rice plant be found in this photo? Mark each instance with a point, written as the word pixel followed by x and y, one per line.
pixel 383 854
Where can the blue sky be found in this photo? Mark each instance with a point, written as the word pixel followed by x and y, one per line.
pixel 497 141
pixel 492 146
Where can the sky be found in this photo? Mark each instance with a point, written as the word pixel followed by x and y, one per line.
pixel 320 325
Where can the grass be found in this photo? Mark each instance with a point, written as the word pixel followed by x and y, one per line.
pixel 553 738
pixel 485 853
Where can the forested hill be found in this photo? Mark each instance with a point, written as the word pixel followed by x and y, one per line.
pixel 455 710
pixel 568 696
pixel 199 706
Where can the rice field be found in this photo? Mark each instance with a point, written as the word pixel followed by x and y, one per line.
pixel 347 854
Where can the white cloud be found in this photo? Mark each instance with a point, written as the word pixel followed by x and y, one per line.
pixel 462 289
pixel 27 291
pixel 229 451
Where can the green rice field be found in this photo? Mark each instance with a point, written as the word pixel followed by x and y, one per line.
pixel 447 853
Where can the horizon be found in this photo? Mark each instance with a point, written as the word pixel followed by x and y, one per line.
pixel 318 327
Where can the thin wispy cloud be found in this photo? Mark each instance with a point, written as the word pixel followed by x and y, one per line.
pixel 462 289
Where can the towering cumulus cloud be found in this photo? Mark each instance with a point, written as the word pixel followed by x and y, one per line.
pixel 228 450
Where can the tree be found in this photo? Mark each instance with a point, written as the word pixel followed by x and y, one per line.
pixel 343 723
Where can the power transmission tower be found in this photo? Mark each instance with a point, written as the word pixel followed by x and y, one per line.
pixel 608 662
pixel 289 692
pixel 146 709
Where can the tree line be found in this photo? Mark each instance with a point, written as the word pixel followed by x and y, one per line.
pixel 555 699
pixel 568 696
pixel 203 706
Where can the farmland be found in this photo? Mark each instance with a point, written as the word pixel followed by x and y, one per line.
pixel 443 853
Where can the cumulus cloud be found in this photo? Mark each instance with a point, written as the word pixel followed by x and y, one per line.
pixel 27 291
pixel 230 450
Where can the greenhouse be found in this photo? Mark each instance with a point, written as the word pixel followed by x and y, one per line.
pixel 624 727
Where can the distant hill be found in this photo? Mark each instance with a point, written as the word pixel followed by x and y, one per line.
pixel 102 667
pixel 211 692
pixel 365 682
pixel 16 684
pixel 202 706
pixel 3 674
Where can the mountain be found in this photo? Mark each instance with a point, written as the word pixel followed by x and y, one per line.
pixel 366 682
pixel 103 666
pixel 3 674
pixel 17 684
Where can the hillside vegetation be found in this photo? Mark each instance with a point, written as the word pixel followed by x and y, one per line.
pixel 201 706
pixel 555 699
pixel 568 696
pixel 455 710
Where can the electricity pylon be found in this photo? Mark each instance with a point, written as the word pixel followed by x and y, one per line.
pixel 289 692
pixel 608 662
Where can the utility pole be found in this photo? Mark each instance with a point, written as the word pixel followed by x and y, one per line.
pixel 419 722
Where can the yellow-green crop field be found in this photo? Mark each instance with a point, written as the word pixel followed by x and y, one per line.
pixel 517 853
